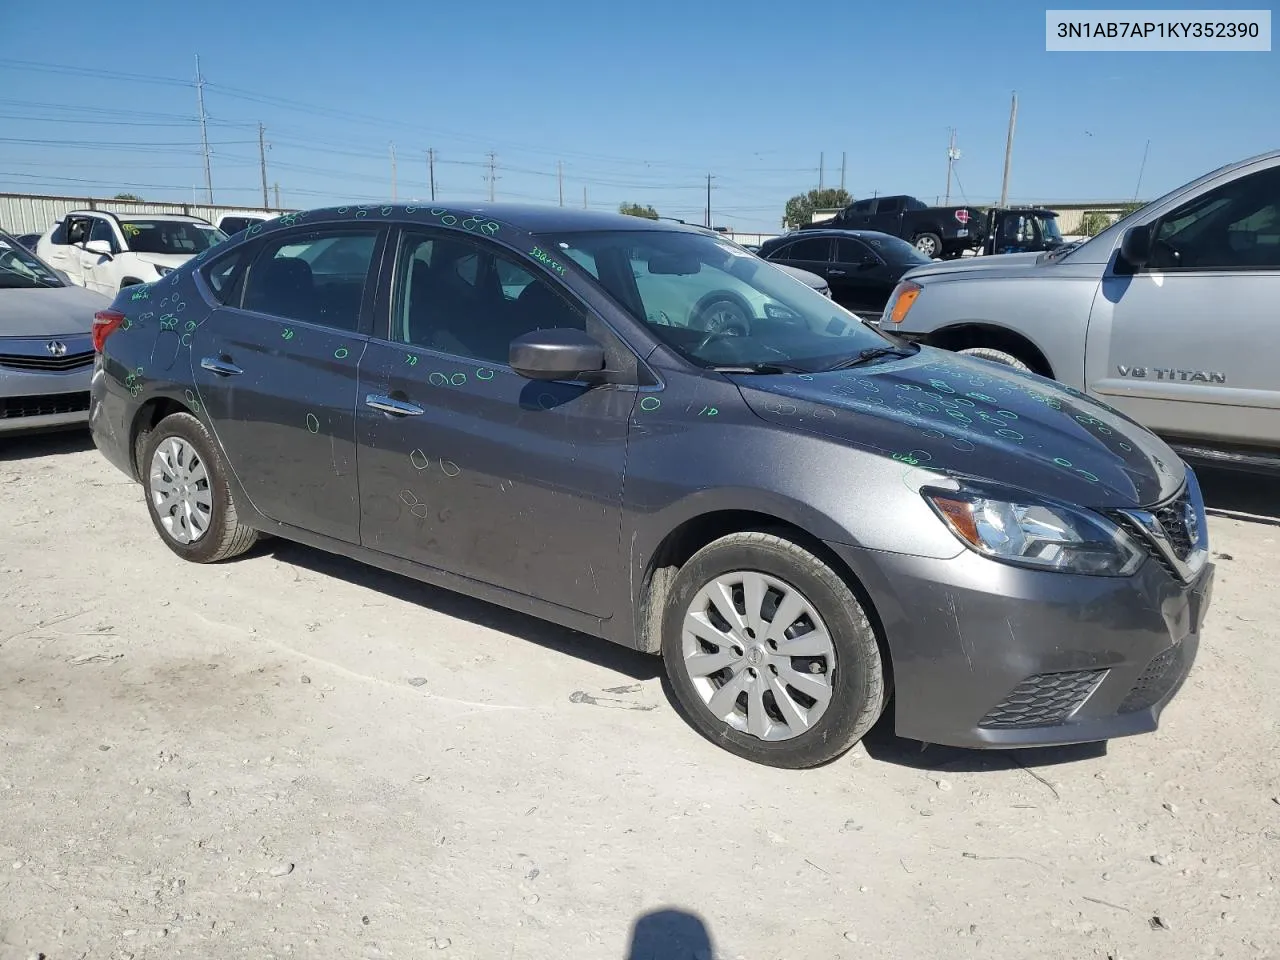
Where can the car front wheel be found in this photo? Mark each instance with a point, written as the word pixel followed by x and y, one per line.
pixel 187 494
pixel 769 653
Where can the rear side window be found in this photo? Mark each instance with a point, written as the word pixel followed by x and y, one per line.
pixel 889 205
pixel 102 231
pixel 814 248
pixel 316 277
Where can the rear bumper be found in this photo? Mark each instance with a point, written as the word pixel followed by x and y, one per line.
pixel 110 422
pixel 989 655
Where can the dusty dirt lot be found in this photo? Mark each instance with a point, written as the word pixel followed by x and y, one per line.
pixel 295 756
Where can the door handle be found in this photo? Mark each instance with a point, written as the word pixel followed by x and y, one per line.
pixel 220 367
pixel 835 273
pixel 396 408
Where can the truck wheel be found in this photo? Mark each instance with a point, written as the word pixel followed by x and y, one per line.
pixel 930 244
pixel 997 356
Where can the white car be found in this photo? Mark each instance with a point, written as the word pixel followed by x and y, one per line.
pixel 105 251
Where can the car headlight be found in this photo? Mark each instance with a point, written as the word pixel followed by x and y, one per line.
pixel 776 311
pixel 901 300
pixel 1035 534
pixel 161 270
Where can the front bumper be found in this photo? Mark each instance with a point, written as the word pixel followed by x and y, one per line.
pixel 42 401
pixel 986 654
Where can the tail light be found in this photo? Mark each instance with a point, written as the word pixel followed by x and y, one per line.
pixel 105 323
pixel 904 295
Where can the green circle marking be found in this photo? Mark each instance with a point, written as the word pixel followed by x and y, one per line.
pixel 484 373
pixel 313 424
pixel 341 353
pixel 650 404
pixel 458 379
pixel 1062 463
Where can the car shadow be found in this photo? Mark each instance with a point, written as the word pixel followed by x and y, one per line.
pixel 670 933
pixel 1231 493
pixel 51 443
pixel 603 653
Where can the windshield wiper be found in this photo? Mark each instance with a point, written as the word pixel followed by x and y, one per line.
pixel 762 368
pixel 873 353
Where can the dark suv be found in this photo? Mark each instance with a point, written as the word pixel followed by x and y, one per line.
pixel 806 518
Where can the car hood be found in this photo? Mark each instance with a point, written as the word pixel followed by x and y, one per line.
pixel 1012 263
pixel 969 418
pixel 804 276
pixel 48 311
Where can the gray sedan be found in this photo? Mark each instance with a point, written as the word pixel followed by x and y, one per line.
pixel 46 345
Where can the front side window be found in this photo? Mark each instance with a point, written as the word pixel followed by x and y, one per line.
pixel 893 249
pixel 716 304
pixel 849 250
pixel 458 296
pixel 316 277
pixel 889 205
pixel 169 236
pixel 102 231
pixel 1235 227
pixel 78 229
pixel 863 206
pixel 815 248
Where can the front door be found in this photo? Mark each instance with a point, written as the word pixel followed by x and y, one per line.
pixel 96 268
pixel 276 369
pixel 858 277
pixel 67 255
pixel 468 467
pixel 1183 345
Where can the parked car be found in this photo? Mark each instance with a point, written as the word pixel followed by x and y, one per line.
pixel 29 240
pixel 46 350
pixel 1021 230
pixel 1169 315
pixel 937 232
pixel 862 266
pixel 106 252
pixel 801 519
pixel 234 223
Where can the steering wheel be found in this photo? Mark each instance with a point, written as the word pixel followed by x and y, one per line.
pixel 719 334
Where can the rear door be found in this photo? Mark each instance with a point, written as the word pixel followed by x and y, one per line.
pixel 807 253
pixel 276 368
pixel 465 465
pixel 1185 346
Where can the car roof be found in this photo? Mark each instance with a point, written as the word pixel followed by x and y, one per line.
pixel 528 217
pixel 116 215
pixel 832 232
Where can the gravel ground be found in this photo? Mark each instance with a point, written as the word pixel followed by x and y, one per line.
pixel 292 755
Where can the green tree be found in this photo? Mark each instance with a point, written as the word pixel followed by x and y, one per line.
pixel 636 210
pixel 127 196
pixel 1094 222
pixel 800 208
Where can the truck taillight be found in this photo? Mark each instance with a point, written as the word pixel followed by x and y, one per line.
pixel 105 323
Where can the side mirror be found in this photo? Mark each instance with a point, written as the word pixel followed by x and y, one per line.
pixel 100 247
pixel 560 353
pixel 1136 246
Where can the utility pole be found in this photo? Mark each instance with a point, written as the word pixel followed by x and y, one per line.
pixel 821 165
pixel 431 171
pixel 277 186
pixel 1141 170
pixel 708 199
pixel 560 179
pixel 393 173
pixel 204 132
pixel 492 176
pixel 842 156
pixel 952 156
pixel 584 196
pixel 1008 151
pixel 262 162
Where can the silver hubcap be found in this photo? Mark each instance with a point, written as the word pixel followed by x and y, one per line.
pixel 180 491
pixel 723 317
pixel 926 246
pixel 759 655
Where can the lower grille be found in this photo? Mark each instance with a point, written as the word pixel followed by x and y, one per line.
pixel 70 361
pixel 1044 700
pixel 15 407
pixel 1161 678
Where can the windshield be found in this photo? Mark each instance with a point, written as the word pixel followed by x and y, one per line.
pixel 1049 228
pixel 893 249
pixel 19 268
pixel 170 236
pixel 715 303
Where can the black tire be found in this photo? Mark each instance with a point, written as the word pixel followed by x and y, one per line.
pixel 997 356
pixel 930 244
pixel 225 536
pixel 858 691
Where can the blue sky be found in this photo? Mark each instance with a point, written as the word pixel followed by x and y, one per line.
pixel 639 102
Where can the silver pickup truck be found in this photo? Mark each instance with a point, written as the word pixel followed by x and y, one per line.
pixel 1171 315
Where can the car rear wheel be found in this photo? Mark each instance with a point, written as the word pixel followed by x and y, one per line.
pixel 997 356
pixel 769 653
pixel 187 494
